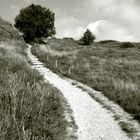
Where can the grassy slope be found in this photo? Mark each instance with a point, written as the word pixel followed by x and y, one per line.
pixel 106 67
pixel 29 108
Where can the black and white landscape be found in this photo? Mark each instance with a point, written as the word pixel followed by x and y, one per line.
pixel 69 70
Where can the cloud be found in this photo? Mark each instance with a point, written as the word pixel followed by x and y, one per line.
pixel 15 9
pixel 105 30
pixel 28 1
pixel 68 27
pixel 102 29
pixel 33 1
pixel 124 13
pixel 121 19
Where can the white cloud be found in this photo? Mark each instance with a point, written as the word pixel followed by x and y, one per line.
pixel 121 20
pixel 68 27
pixel 33 1
pixel 105 30
pixel 126 14
pixel 27 1
pixel 15 9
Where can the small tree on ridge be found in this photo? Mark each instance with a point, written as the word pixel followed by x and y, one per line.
pixel 88 37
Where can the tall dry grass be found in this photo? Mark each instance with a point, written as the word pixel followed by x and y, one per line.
pixel 29 108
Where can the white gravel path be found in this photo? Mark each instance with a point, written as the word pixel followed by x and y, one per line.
pixel 94 122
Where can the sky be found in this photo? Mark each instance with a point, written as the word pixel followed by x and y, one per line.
pixel 107 19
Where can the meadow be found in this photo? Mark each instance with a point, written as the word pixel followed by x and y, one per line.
pixel 108 66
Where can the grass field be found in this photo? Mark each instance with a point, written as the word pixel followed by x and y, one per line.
pixel 109 67
pixel 29 108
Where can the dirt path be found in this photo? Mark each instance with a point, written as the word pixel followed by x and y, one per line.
pixel 94 122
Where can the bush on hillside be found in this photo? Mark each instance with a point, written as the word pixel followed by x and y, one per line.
pixel 127 45
pixel 35 21
pixel 68 38
pixel 107 41
pixel 88 38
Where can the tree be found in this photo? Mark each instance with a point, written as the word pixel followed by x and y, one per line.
pixel 88 37
pixel 35 21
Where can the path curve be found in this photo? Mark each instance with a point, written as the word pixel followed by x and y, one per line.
pixel 94 122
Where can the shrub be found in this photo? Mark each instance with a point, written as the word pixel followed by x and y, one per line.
pixel 35 21
pixel 127 45
pixel 68 38
pixel 88 37
pixel 107 41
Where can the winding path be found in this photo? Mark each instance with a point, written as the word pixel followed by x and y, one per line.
pixel 94 122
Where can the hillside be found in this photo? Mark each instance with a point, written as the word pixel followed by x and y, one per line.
pixel 36 103
pixel 7 31
pixel 29 108
pixel 107 66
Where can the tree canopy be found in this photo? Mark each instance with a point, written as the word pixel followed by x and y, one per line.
pixel 35 21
